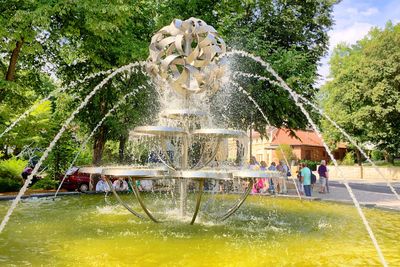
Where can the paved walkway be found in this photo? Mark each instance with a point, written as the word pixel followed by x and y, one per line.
pixel 367 193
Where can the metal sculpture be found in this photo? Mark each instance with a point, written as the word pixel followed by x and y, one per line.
pixel 185 54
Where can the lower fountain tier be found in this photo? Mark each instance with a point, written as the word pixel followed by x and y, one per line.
pixel 155 174
pixel 168 131
pixel 202 174
pixel 135 173
pixel 160 131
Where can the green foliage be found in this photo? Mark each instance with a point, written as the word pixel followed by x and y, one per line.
pixel 35 130
pixel 12 168
pixel 377 155
pixel 10 174
pixel 111 152
pixel 9 185
pixel 287 153
pixel 311 164
pixel 363 96
pixel 292 36
pixel 79 38
pixel 61 156
pixel 46 184
pixel 348 159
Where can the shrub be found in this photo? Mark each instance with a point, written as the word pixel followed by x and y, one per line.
pixel 311 164
pixel 377 155
pixel 287 152
pixel 9 185
pixel 45 183
pixel 348 159
pixel 10 174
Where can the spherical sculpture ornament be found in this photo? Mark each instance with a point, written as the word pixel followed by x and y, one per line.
pixel 185 54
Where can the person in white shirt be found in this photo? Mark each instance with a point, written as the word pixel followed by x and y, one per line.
pixel 120 185
pixel 147 185
pixel 283 168
pixel 102 185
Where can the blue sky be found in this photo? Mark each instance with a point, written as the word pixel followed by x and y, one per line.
pixel 353 20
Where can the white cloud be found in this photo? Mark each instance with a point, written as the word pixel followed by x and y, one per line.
pixel 370 11
pixel 350 34
pixel 352 11
pixel 359 12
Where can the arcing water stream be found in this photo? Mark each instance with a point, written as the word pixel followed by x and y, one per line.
pixel 321 112
pixel 314 126
pixel 84 143
pixel 54 93
pixel 200 72
pixel 128 67
pixel 241 89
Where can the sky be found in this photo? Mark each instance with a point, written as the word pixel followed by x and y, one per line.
pixel 353 19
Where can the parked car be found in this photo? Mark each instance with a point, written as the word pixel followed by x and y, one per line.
pixel 75 180
pixel 79 178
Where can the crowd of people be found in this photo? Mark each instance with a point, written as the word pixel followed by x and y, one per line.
pixel 306 179
pixel 121 185
pixel 271 185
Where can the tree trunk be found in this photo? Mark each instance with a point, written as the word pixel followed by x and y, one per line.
pixel 359 157
pixel 122 143
pixel 10 76
pixel 389 157
pixel 98 146
pixel 100 138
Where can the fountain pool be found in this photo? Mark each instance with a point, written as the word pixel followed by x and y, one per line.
pixel 188 61
pixel 84 230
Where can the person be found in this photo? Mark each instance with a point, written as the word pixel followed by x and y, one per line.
pixel 120 184
pixel 254 165
pixel 102 185
pixel 323 177
pixel 300 185
pixel 28 171
pixel 258 186
pixel 146 185
pixel 283 168
pixel 305 174
pixel 271 180
pixel 265 182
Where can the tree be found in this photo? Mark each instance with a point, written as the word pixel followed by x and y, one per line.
pixel 285 152
pixel 73 40
pixel 363 96
pixel 292 36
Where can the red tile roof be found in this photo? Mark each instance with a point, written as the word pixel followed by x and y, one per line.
pixel 309 138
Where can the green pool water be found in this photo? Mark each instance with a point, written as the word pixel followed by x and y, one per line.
pixel 90 230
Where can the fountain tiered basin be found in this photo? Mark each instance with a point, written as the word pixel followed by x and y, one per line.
pixel 186 129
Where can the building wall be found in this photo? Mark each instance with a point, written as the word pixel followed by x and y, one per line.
pixel 365 172
pixel 260 151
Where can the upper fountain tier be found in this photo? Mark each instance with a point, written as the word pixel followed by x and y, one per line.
pixel 185 53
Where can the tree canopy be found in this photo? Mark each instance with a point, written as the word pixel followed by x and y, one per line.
pixel 48 44
pixel 363 95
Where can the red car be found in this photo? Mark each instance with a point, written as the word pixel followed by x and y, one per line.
pixel 75 180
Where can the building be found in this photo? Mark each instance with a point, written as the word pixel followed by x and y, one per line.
pixel 306 145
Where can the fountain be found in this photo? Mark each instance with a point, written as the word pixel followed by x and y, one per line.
pixel 187 64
